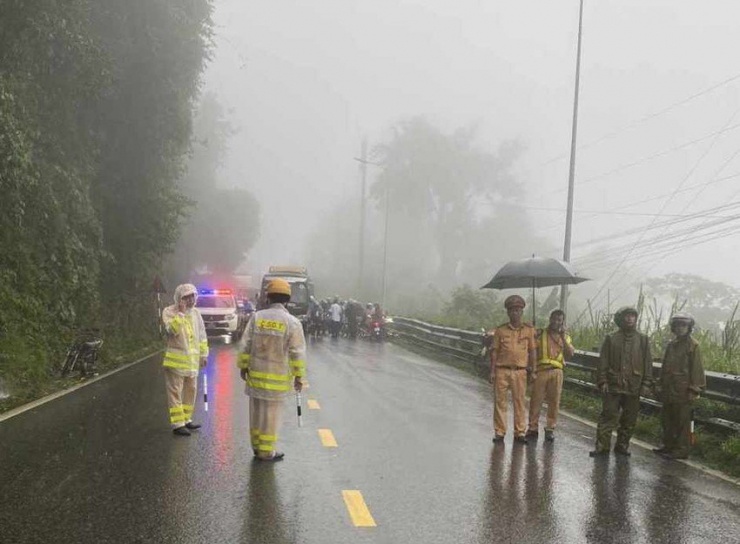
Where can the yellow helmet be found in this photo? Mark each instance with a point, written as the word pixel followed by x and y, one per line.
pixel 278 287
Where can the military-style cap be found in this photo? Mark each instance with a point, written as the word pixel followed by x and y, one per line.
pixel 624 310
pixel 514 301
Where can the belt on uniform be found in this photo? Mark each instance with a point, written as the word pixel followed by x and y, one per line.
pixel 513 367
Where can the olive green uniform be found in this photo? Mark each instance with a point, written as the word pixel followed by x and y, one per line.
pixel 625 367
pixel 681 379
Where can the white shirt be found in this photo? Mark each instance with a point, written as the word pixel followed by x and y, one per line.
pixel 336 312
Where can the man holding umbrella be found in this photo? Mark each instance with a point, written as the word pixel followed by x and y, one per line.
pixel 513 357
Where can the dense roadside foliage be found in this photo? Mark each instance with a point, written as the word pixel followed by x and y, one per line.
pixel 96 100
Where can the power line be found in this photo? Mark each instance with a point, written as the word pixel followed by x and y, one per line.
pixel 663 206
pixel 637 203
pixel 648 158
pixel 608 212
pixel 674 220
pixel 725 233
pixel 658 243
pixel 648 117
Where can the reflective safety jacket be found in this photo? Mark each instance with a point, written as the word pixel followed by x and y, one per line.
pixel 545 355
pixel 186 340
pixel 274 353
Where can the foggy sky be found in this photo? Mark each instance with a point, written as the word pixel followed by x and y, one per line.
pixel 304 81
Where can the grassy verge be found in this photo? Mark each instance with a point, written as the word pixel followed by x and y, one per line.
pixel 30 386
pixel 720 452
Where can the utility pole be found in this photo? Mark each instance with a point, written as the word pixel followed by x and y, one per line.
pixel 385 244
pixel 363 175
pixel 571 175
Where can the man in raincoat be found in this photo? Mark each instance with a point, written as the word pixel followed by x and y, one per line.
pixel 273 363
pixel 187 351
pixel 625 371
pixel 681 382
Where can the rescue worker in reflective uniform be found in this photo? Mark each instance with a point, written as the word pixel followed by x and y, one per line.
pixel 624 372
pixel 273 363
pixel 512 358
pixel 681 382
pixel 553 345
pixel 187 350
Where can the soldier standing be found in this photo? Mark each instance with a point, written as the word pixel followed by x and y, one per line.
pixel 553 346
pixel 512 358
pixel 681 382
pixel 624 372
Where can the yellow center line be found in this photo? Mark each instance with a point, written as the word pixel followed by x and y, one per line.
pixel 327 438
pixel 313 404
pixel 357 508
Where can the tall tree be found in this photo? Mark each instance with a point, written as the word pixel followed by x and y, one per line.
pixel 437 185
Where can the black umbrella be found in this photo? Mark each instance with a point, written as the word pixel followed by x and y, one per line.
pixel 534 272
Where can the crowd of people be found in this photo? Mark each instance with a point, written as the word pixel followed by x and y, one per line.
pixel 273 363
pixel 348 318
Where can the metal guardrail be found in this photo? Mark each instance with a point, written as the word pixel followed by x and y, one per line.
pixel 467 346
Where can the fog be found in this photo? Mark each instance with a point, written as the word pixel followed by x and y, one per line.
pixel 304 82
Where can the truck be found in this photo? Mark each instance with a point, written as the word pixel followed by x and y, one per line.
pixel 301 288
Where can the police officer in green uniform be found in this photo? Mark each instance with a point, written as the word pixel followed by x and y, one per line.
pixel 681 381
pixel 624 372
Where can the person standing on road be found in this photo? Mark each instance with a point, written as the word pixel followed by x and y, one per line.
pixel 512 357
pixel 624 372
pixel 681 382
pixel 273 357
pixel 553 346
pixel 336 318
pixel 187 351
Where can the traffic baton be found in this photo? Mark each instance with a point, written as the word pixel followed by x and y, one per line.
pixel 205 391
pixel 692 436
pixel 298 408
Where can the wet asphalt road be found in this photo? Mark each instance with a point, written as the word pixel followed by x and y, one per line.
pixel 413 436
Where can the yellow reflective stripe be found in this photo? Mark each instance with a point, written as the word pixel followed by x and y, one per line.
pixel 268 386
pixel 268 376
pixel 244 360
pixel 270 325
pixel 176 356
pixel 178 419
pixel 184 366
pixel 298 368
pixel 268 437
pixel 175 325
pixel 265 447
pixel 176 409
